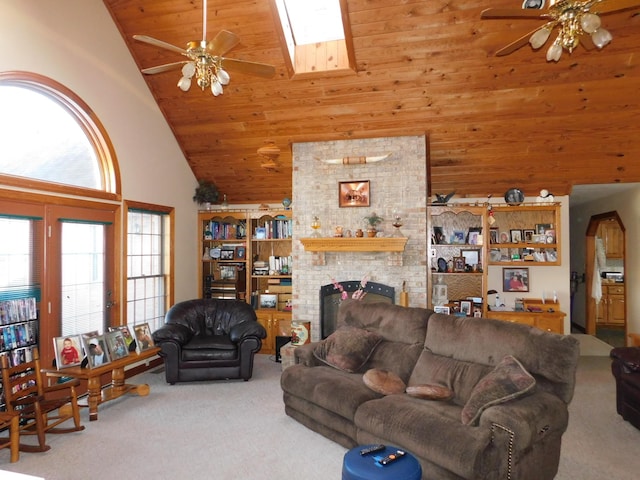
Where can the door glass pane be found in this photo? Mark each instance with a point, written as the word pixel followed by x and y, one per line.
pixel 83 282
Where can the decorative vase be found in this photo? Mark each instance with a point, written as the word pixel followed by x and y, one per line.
pixel 359 233
pixel 371 232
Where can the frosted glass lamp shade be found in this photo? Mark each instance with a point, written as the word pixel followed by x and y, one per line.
pixel 590 22
pixel 184 84
pixel 601 37
pixel 539 38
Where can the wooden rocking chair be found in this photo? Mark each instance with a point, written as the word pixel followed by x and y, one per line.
pixel 9 421
pixel 41 407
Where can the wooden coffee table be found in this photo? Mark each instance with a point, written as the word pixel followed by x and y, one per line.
pixel 116 389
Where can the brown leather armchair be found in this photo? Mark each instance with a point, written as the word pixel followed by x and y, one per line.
pixel 209 339
pixel 625 367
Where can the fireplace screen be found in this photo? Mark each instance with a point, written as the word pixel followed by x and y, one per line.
pixel 330 301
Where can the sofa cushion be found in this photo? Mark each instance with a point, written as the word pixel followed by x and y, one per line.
pixel 383 381
pixel 347 349
pixel 430 392
pixel 508 380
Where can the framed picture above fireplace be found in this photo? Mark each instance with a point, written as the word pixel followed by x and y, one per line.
pixel 354 193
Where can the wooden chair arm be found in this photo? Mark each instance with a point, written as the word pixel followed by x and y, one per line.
pixel 28 400
pixel 62 386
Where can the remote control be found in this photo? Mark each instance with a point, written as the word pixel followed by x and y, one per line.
pixel 392 457
pixel 372 449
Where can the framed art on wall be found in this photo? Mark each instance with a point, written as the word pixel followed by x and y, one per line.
pixel 354 194
pixel 515 279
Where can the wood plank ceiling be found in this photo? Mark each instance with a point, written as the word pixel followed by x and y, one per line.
pixel 424 67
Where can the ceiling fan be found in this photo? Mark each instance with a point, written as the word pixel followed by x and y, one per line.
pixel 206 61
pixel 578 22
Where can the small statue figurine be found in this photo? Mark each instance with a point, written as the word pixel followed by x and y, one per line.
pixel 338 231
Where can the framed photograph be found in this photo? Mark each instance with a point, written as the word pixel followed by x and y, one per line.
pixel 472 235
pixel 458 237
pixel 227 254
pixel 241 253
pixel 504 237
pixel 465 307
pixel 441 309
pixel 536 238
pixel 438 236
pixel 516 236
pixel 68 351
pixel 458 264
pixel 550 236
pixel 543 227
pixel 129 339
pixel 261 233
pixel 143 336
pixel 354 194
pixel 116 345
pixel 96 350
pixel 493 235
pixel 527 235
pixel 227 272
pixel 268 300
pixel 515 279
pixel 471 257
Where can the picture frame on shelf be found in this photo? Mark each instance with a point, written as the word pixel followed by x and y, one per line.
pixel 458 264
pixel 493 235
pixel 471 256
pixel 227 254
pixel 438 236
pixel 465 307
pixel 458 237
pixel 527 235
pixel 441 309
pixel 515 235
pixel 227 272
pixel 541 228
pixel 472 235
pixel 537 238
pixel 550 236
pixel 505 237
pixel 515 279
pixel 354 193
pixel 68 351
pixel 241 253
pixel 268 301
pixel 143 336
pixel 129 339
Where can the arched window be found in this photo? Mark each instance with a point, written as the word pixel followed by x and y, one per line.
pixel 48 134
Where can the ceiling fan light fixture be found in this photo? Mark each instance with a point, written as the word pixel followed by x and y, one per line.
pixel 188 70
pixel 555 51
pixel 216 88
pixel 590 22
pixel 601 37
pixel 539 38
pixel 184 84
pixel 223 76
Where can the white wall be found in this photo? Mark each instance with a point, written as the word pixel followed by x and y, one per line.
pixel 627 204
pixel 76 43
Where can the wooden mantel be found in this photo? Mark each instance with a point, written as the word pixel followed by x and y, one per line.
pixel 354 244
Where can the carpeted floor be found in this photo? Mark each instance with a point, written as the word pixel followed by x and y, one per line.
pixel 235 430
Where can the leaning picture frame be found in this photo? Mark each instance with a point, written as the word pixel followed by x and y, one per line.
pixel 441 309
pixel 143 336
pixel 268 301
pixel 465 307
pixel 95 349
pixel 68 351
pixel 458 264
pixel 116 345
pixel 471 256
pixel 354 193
pixel 129 339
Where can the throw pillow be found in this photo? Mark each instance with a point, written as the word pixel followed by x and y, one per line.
pixel 383 381
pixel 508 380
pixel 347 349
pixel 430 392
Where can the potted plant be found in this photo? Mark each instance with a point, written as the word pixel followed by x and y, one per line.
pixel 206 193
pixel 372 222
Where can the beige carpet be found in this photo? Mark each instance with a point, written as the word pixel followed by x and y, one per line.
pixel 592 346
pixel 235 430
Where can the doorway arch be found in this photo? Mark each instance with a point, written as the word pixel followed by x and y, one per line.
pixel 591 270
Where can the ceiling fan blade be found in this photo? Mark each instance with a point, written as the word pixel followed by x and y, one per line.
pixel 162 68
pixel 251 68
pixel 159 43
pixel 515 13
pixel 515 45
pixel 608 6
pixel 222 43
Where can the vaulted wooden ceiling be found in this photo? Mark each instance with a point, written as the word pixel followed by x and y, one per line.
pixel 423 67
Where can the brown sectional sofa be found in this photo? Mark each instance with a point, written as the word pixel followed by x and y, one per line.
pixel 515 439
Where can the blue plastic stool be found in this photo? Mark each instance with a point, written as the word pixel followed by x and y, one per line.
pixel 358 467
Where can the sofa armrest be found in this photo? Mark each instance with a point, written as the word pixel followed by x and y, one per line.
pixel 247 329
pixel 530 418
pixel 304 354
pixel 628 356
pixel 172 332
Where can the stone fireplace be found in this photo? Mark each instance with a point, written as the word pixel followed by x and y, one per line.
pixel 399 182
pixel 330 301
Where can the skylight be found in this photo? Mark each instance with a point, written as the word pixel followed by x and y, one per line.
pixel 314 36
